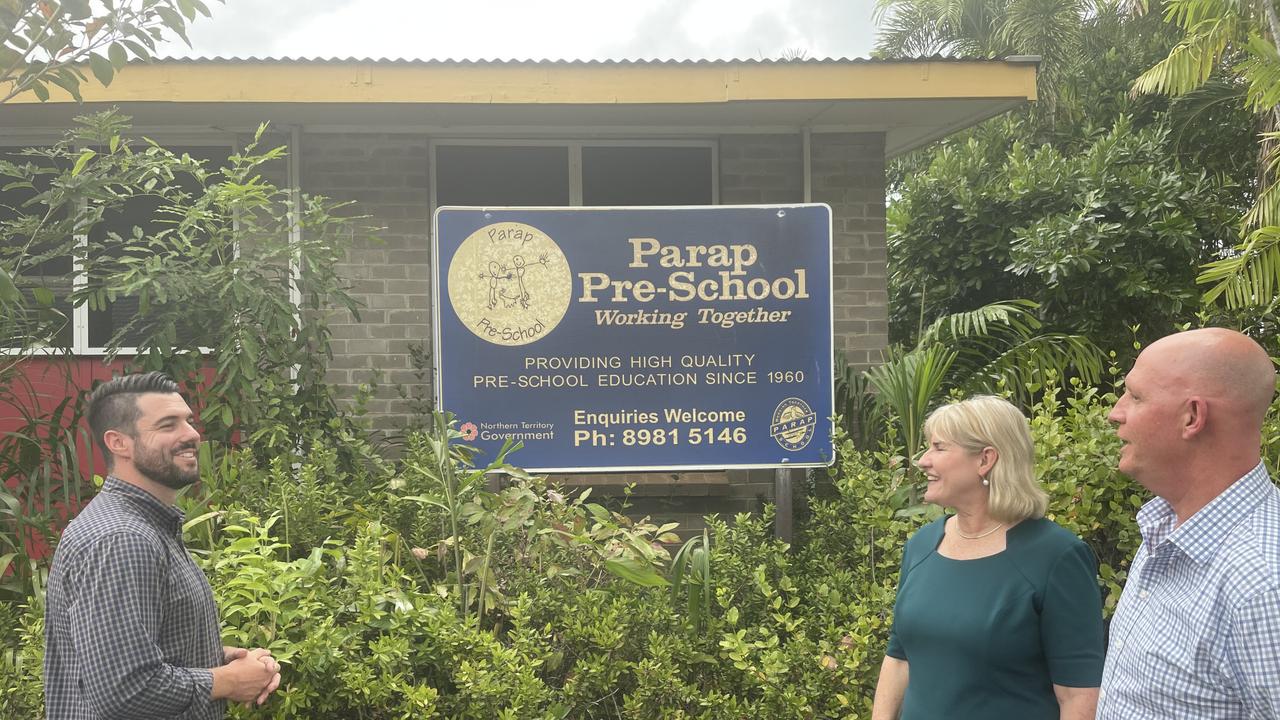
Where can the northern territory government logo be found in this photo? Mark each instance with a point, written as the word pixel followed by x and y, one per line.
pixel 510 283
pixel 793 424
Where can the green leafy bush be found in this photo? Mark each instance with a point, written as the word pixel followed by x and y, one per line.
pixel 587 612
pixel 1103 237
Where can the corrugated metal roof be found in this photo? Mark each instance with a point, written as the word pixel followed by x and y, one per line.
pixel 638 61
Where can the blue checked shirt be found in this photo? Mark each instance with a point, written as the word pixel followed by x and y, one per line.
pixel 131 628
pixel 1197 631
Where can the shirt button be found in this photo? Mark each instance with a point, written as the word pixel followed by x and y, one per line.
pixel 1119 644
pixel 1102 694
pixel 1143 594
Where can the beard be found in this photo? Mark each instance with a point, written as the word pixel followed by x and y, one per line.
pixel 160 466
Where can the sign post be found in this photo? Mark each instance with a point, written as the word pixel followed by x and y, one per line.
pixel 631 339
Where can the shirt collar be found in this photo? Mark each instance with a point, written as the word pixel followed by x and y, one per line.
pixel 1200 536
pixel 165 516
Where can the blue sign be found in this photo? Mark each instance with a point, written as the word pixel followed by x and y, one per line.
pixel 679 338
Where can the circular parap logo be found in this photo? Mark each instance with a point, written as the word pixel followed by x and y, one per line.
pixel 510 283
pixel 793 424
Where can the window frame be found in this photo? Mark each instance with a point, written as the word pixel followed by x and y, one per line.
pixel 574 147
pixel 80 346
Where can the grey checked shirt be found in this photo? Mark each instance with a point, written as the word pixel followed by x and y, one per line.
pixel 1197 631
pixel 131 628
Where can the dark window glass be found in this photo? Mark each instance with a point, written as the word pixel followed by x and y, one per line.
pixel 141 213
pixel 497 176
pixel 623 176
pixel 43 271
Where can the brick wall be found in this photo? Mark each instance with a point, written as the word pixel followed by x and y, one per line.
pixel 390 269
pixel 761 169
pixel 848 174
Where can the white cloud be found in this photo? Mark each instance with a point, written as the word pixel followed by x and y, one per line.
pixel 525 29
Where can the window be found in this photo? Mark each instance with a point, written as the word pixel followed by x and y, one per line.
pixel 597 173
pixel 43 276
pixel 139 212
pixel 89 330
pixel 502 176
pixel 637 175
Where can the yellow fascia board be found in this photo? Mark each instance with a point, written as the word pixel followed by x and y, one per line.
pixel 554 83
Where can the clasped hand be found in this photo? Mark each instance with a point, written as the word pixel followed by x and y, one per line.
pixel 252 675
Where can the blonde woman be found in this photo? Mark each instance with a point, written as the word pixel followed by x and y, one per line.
pixel 998 612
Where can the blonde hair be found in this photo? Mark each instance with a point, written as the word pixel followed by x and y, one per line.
pixel 987 421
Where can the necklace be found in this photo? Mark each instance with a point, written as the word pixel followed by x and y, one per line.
pixel 979 536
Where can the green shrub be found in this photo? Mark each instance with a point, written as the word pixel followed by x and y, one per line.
pixel 21 660
pixel 364 610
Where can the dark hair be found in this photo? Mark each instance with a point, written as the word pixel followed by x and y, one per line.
pixel 113 405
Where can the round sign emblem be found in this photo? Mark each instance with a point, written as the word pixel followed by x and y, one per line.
pixel 509 283
pixel 793 424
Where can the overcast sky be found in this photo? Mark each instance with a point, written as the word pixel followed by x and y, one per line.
pixel 532 29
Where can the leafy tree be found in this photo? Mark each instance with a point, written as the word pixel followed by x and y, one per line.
pixel 212 279
pixel 1103 240
pixel 1097 205
pixel 1053 29
pixel 1237 39
pixel 48 42
pixel 998 348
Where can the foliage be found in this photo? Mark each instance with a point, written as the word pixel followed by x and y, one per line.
pixel 365 613
pixel 21 660
pixel 1051 29
pixel 996 348
pixel 1238 40
pixel 1103 239
pixel 1076 453
pixel 44 43
pixel 48 42
pixel 1030 205
pixel 453 486
pixel 1249 277
pixel 1214 31
pixel 212 278
pixel 691 576
pixel 40 475
pixel 215 277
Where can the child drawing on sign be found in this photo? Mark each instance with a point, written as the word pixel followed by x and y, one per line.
pixel 495 273
pixel 500 276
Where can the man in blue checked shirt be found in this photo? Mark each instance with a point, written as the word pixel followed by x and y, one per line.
pixel 131 628
pixel 1197 631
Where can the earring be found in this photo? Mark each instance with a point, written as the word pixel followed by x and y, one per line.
pixel 986 482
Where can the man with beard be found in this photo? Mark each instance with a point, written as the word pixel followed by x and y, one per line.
pixel 1196 633
pixel 131 628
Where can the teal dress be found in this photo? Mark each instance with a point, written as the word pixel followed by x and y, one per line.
pixel 989 638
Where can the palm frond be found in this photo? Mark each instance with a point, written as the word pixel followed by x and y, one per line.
pixel 1195 106
pixel 1049 28
pixel 975 25
pixel 1251 276
pixel 1010 316
pixel 911 28
pixel 908 382
pixel 916 28
pixel 1261 71
pixel 856 404
pixel 1191 61
pixel 1186 14
pixel 1031 361
pixel 1265 211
